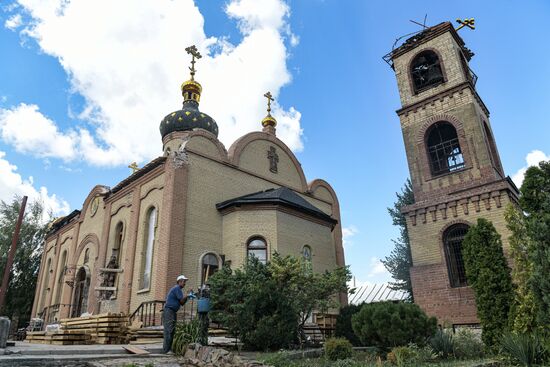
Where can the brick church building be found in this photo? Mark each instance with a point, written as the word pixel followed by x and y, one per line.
pixel 454 166
pixel 191 210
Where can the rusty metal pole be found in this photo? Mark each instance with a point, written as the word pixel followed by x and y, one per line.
pixel 11 254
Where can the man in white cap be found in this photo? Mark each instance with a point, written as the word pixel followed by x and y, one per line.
pixel 174 300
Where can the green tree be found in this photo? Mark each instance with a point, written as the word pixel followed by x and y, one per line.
pixel 523 312
pixel 343 323
pixel 22 283
pixel 489 276
pixel 266 306
pixel 399 262
pixel 535 201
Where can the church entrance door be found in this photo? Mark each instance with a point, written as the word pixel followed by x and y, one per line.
pixel 81 290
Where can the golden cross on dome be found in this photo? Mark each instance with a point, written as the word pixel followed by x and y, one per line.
pixel 192 50
pixel 269 99
pixel 466 23
pixel 134 167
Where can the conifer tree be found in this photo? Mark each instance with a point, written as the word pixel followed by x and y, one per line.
pixel 399 261
pixel 488 274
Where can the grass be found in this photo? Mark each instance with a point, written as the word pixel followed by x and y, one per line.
pixel 360 359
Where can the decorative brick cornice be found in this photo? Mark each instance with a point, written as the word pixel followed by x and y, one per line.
pixel 459 88
pixel 483 198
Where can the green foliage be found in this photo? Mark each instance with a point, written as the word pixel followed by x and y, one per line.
pixel 488 274
pixel 523 312
pixel 22 283
pixel 535 201
pixel 343 324
pixel 186 333
pixel 387 324
pixel 338 348
pixel 399 261
pixel 266 305
pixel 405 356
pixel 442 343
pixel 525 349
pixel 467 344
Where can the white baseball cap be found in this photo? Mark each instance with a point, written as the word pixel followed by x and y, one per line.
pixel 181 277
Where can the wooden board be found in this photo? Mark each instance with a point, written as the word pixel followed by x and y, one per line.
pixel 135 350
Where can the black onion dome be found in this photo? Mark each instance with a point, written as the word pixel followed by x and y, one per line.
pixel 188 118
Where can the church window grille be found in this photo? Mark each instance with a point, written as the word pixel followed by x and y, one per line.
pixel 444 149
pixel 209 266
pixel 148 253
pixel 257 247
pixel 453 238
pixel 426 71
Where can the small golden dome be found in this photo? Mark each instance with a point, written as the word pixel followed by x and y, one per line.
pixel 269 121
pixel 191 90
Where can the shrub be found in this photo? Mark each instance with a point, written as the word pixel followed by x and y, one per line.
pixel 185 334
pixel 526 349
pixel 404 356
pixel 387 324
pixel 424 353
pixel 343 324
pixel 442 343
pixel 265 305
pixel 467 345
pixel 489 276
pixel 338 348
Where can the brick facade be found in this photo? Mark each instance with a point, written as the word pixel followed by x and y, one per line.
pixel 478 189
pixel 184 186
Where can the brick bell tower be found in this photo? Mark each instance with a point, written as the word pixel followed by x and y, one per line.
pixel 454 167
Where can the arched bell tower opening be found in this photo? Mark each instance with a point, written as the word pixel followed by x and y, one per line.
pixel 454 167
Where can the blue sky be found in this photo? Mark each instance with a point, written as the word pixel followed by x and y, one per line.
pixel 83 89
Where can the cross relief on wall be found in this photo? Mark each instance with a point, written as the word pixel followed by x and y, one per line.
pixel 273 158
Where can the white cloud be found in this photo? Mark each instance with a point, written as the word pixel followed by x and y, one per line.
pixel 347 233
pixel 127 60
pixel 11 183
pixel 13 22
pixel 29 131
pixel 532 159
pixel 377 269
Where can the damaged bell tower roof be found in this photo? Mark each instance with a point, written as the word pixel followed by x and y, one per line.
pixel 420 37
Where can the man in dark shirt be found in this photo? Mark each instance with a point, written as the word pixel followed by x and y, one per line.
pixel 174 300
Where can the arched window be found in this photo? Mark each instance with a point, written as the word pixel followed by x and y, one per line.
pixel 444 148
pixel 257 247
pixel 147 255
pixel 452 242
pixel 307 257
pixel 45 286
pixel 426 71
pixel 493 153
pixel 117 246
pixel 63 265
pixel 86 255
pixel 209 266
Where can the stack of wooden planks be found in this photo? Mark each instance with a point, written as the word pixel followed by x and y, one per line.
pixel 106 328
pixel 146 336
pixel 57 338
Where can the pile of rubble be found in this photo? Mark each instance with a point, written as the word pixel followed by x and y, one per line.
pixel 205 356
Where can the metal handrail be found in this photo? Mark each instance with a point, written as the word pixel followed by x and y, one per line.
pixel 147 313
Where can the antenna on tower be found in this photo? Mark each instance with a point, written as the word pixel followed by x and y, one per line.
pixel 423 24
